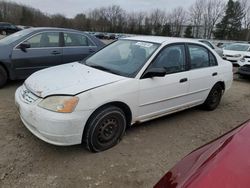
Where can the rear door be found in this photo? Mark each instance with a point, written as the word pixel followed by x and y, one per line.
pixel 44 51
pixel 203 72
pixel 77 47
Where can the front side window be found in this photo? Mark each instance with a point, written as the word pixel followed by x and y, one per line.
pixel 42 40
pixel 75 39
pixel 172 59
pixel 199 56
pixel 123 57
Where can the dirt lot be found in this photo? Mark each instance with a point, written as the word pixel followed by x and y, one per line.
pixel 144 155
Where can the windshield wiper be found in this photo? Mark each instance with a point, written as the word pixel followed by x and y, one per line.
pixel 103 68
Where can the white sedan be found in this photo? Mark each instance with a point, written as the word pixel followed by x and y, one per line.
pixel 131 80
pixel 238 54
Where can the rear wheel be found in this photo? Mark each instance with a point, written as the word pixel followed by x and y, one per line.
pixel 3 76
pixel 214 98
pixel 104 129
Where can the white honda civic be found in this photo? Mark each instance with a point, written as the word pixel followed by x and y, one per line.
pixel 131 80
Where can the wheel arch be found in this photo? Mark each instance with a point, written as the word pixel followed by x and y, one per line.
pixel 5 68
pixel 123 106
pixel 222 84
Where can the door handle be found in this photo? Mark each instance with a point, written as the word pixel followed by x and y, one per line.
pixel 183 80
pixel 55 53
pixel 215 74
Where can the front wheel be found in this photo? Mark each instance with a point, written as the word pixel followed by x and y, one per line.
pixel 214 98
pixel 104 129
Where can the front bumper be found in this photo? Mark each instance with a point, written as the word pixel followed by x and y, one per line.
pixel 55 128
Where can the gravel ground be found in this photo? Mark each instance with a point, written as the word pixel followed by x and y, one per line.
pixel 147 151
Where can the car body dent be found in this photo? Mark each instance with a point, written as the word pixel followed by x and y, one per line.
pixel 70 79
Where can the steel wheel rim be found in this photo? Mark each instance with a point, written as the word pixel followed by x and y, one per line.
pixel 107 130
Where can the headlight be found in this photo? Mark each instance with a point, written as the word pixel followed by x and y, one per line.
pixel 62 104
pixel 237 55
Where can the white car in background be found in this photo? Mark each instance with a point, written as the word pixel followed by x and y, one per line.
pixel 238 54
pixel 129 81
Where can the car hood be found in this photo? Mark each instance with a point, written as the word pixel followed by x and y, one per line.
pixel 68 79
pixel 231 52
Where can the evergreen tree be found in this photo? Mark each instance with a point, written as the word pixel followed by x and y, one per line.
pixel 230 25
pixel 166 31
pixel 188 32
pixel 27 16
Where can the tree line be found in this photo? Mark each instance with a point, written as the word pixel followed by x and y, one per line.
pixel 203 19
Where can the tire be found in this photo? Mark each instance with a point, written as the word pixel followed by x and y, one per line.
pixel 104 129
pixel 3 76
pixel 214 98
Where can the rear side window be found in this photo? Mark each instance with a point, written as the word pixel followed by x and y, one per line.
pixel 75 39
pixel 199 56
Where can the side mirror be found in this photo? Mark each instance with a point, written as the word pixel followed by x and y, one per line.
pixel 154 72
pixel 23 46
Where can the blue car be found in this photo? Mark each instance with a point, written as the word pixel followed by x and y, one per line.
pixel 33 49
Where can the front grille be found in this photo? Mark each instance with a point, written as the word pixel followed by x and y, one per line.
pixel 27 96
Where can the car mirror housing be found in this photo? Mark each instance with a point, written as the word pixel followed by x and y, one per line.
pixel 154 72
pixel 23 46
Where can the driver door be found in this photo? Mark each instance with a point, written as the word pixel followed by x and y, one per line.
pixel 161 95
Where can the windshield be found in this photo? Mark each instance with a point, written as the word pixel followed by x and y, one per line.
pixel 123 57
pixel 11 38
pixel 237 47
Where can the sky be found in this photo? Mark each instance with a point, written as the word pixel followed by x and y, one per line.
pixel 70 8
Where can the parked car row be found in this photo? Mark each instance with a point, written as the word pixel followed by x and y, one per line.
pixel 239 55
pixel 108 36
pixel 33 49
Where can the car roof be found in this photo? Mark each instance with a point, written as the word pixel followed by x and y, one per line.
pixel 52 28
pixel 160 39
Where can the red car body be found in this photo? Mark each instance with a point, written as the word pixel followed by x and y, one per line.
pixel 222 163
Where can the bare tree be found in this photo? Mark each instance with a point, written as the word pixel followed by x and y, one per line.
pixel 213 11
pixel 178 18
pixel 246 19
pixel 196 12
